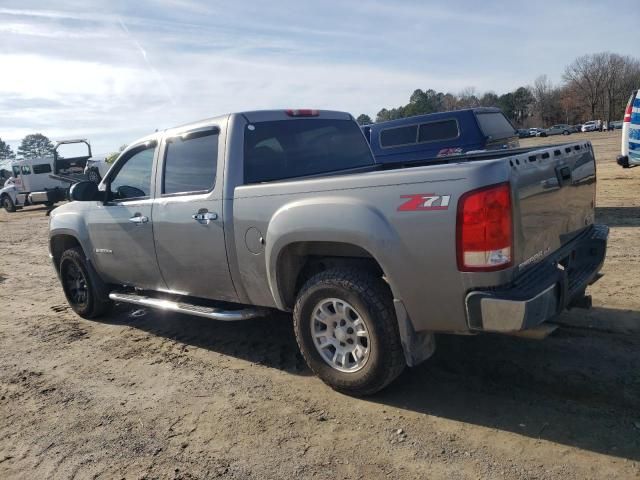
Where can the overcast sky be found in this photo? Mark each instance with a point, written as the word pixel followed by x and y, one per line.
pixel 115 70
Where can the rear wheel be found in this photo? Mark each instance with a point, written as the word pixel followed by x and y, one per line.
pixel 347 331
pixel 566 132
pixel 8 204
pixel 85 292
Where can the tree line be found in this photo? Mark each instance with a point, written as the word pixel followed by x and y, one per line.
pixel 34 145
pixel 594 86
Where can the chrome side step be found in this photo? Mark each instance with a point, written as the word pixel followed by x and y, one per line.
pixel 188 308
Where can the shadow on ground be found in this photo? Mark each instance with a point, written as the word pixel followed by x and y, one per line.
pixel 579 387
pixel 618 216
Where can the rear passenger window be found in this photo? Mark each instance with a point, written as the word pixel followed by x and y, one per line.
pixel 394 137
pixel 435 131
pixel 42 168
pixel 190 164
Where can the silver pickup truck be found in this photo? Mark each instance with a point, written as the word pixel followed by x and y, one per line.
pixel 234 216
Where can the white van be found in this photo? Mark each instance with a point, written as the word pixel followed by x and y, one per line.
pixel 631 133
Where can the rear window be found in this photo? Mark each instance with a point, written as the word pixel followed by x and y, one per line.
pixel 283 149
pixel 42 168
pixel 495 125
pixel 434 131
pixel 393 137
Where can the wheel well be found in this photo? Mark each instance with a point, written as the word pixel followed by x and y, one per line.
pixel 300 261
pixel 59 244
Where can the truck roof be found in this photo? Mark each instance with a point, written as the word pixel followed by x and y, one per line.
pixel 433 116
pixel 262 115
pixel 250 116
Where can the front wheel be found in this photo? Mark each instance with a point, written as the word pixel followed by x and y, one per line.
pixel 347 331
pixel 85 292
pixel 566 132
pixel 8 204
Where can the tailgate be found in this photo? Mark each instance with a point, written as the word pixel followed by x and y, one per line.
pixel 554 195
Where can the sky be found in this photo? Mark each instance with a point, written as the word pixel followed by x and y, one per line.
pixel 113 71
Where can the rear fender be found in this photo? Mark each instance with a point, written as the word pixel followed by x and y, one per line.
pixel 332 219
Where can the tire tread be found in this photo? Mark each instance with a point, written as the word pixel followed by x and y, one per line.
pixel 375 293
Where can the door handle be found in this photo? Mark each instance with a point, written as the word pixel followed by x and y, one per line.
pixel 205 217
pixel 139 219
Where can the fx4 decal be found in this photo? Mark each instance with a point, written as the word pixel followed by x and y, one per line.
pixel 424 201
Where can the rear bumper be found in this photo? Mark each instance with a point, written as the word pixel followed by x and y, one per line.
pixel 542 291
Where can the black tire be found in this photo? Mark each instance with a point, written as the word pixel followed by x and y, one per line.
pixel 93 175
pixel 86 293
pixel 566 132
pixel 372 299
pixel 8 204
pixel 543 134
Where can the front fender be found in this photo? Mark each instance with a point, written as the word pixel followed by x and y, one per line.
pixel 71 223
pixel 333 219
pixel 10 190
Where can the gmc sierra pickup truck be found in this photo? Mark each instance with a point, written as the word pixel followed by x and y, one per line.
pixel 234 216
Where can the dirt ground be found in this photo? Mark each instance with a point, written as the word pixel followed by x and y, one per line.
pixel 147 395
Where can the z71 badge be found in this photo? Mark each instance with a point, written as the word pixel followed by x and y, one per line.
pixel 424 201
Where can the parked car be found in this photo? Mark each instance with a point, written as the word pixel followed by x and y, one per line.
pixel 534 131
pixel 616 125
pixel 630 155
pixel 559 129
pixel 524 133
pixel 96 169
pixel 232 217
pixel 576 128
pixel 442 134
pixel 590 126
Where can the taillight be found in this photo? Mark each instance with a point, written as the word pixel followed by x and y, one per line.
pixel 485 229
pixel 303 112
pixel 629 109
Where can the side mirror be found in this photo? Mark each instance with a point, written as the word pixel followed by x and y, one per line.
pixel 84 192
pixel 126 191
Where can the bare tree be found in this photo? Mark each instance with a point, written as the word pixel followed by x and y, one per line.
pixel 588 74
pixel 623 75
pixel 546 100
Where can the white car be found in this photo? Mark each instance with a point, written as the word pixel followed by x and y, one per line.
pixel 590 126
pixel 95 169
pixel 630 156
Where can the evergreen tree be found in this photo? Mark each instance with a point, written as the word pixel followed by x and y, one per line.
pixel 34 146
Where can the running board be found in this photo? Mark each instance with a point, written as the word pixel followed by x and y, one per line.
pixel 188 308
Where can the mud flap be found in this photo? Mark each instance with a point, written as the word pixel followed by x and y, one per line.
pixel 417 347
